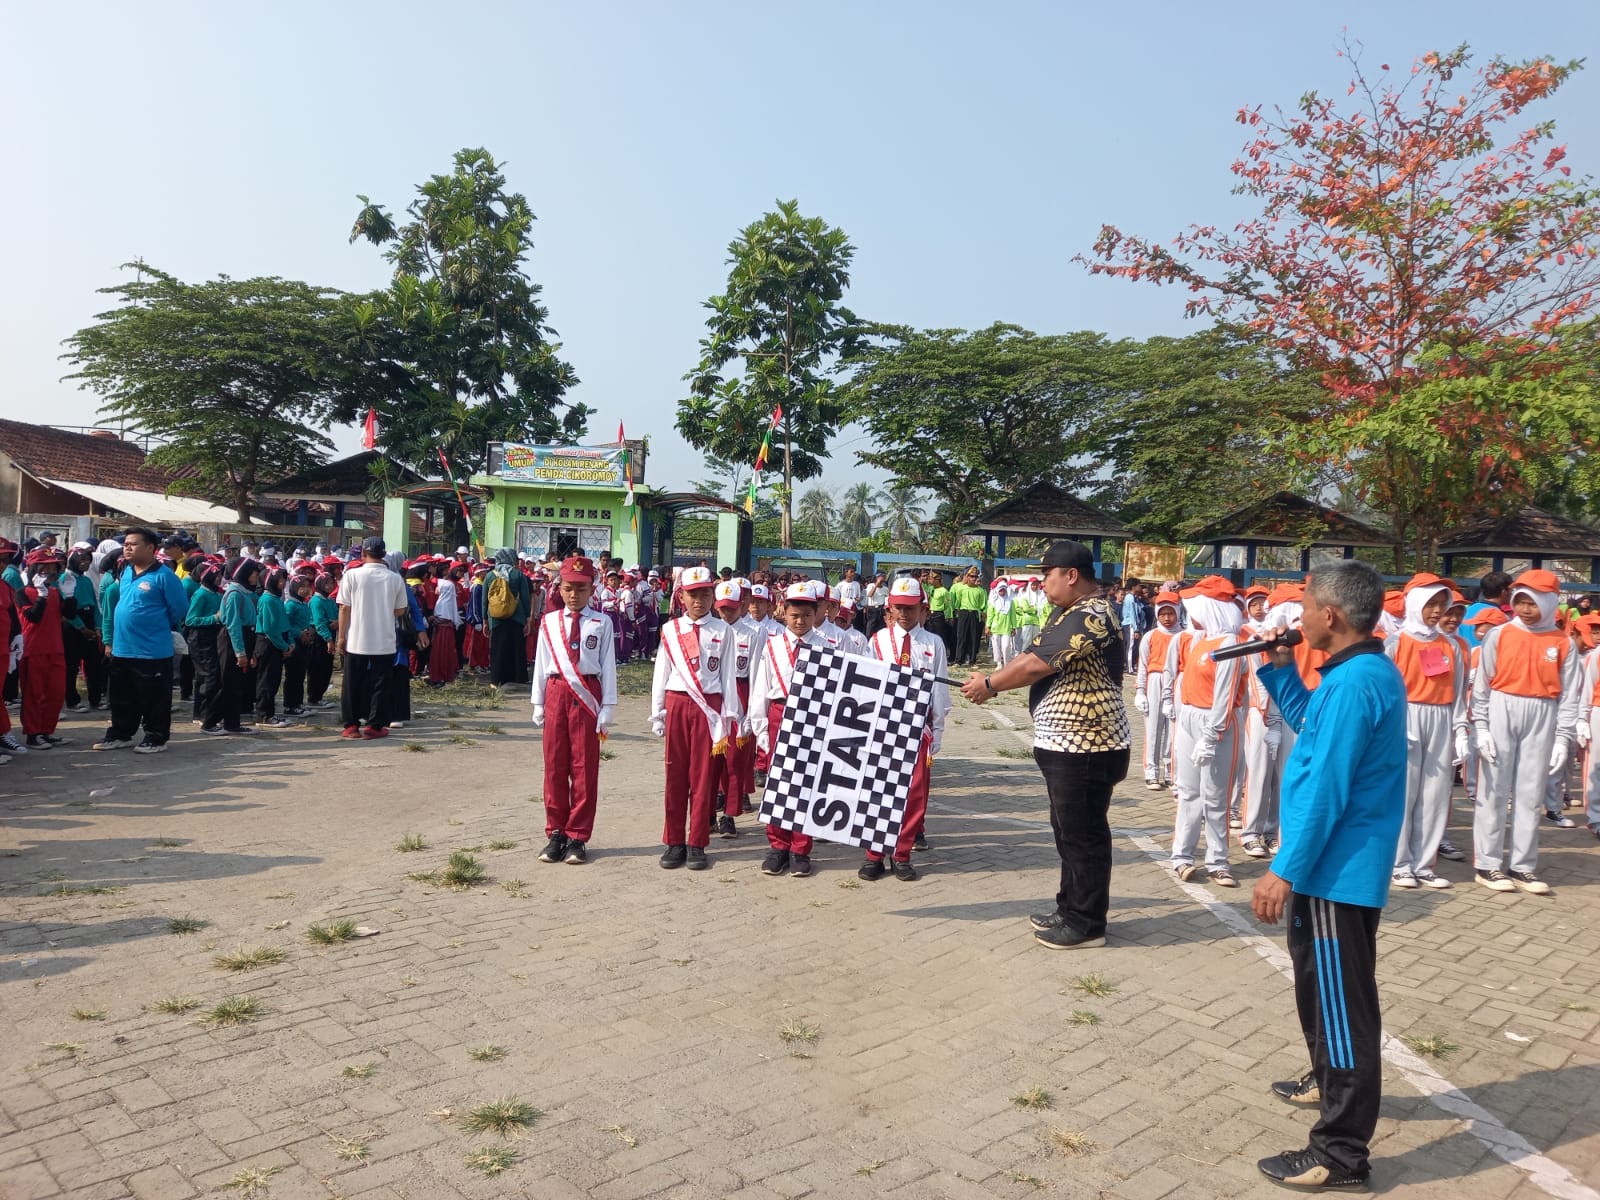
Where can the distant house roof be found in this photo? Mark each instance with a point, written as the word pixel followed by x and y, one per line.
pixel 677 502
pixel 60 456
pixel 1044 510
pixel 346 479
pixel 1530 532
pixel 1284 519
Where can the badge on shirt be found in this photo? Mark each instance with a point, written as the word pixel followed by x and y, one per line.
pixel 713 663
pixel 1434 661
pixel 591 642
pixel 1551 654
pixel 744 662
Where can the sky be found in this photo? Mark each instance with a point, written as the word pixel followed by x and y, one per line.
pixel 969 151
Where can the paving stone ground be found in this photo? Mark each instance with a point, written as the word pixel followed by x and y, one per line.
pixel 640 1010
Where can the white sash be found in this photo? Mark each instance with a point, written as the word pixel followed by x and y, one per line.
pixel 691 677
pixel 566 659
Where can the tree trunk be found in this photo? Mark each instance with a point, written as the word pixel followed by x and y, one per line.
pixel 788 488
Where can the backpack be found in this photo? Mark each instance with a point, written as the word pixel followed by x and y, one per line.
pixel 502 600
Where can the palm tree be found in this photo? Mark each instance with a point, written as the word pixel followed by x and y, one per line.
pixel 899 511
pixel 855 512
pixel 816 509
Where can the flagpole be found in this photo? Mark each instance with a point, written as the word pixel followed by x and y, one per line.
pixel 461 500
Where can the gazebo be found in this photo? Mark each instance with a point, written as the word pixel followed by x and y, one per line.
pixel 1284 519
pixel 1531 534
pixel 331 492
pixel 1043 510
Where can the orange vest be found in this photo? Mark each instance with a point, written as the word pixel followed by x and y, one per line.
pixel 1307 661
pixel 1159 639
pixel 1414 658
pixel 1529 664
pixel 1200 673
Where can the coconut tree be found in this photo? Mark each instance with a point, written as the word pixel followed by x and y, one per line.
pixel 817 511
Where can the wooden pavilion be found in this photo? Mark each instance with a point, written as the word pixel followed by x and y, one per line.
pixel 1043 510
pixel 1531 535
pixel 1286 520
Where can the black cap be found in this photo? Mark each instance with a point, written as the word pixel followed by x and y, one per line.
pixel 1068 554
pixel 374 545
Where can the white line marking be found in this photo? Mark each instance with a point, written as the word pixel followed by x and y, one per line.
pixel 1506 1144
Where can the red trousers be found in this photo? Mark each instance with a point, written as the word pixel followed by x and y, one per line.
pixel 443 662
pixel 571 761
pixel 778 837
pixel 916 806
pixel 42 684
pixel 5 666
pixel 738 771
pixel 692 772
pixel 476 648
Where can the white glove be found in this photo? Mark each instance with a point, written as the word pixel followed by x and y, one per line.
pixel 604 719
pixel 1203 753
pixel 538 716
pixel 1486 750
pixel 1583 733
pixel 16 651
pixel 1142 703
pixel 1463 746
pixel 933 746
pixel 1167 710
pixel 1274 740
pixel 1559 754
pixel 658 726
pixel 763 743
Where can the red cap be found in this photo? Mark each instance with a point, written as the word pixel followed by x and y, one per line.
pixel 1171 598
pixel 1424 579
pixel 1537 581
pixel 1214 586
pixel 1394 603
pixel 1287 593
pixel 1488 617
pixel 578 570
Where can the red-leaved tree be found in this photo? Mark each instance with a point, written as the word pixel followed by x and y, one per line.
pixel 1421 232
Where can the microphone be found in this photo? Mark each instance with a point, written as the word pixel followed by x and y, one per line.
pixel 1289 637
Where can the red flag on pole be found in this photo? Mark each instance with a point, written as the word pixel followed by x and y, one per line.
pixel 369 433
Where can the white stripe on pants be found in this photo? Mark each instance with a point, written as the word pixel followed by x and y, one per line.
pixel 1430 773
pixel 1262 772
pixel 1591 778
pixel 1524 731
pixel 1157 734
pixel 1201 791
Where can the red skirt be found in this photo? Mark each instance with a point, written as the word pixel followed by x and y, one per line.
pixel 476 648
pixel 443 665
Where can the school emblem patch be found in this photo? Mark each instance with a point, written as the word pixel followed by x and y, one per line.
pixel 1551 654
pixel 744 662
pixel 592 641
pixel 713 663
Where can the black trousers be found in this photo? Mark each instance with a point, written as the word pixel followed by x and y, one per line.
pixel 269 675
pixel 141 694
pixel 185 674
pixel 319 669
pixel 207 667
pixel 400 693
pixel 364 696
pixel 508 654
pixel 86 653
pixel 236 691
pixel 1335 952
pixel 939 626
pixel 1079 786
pixel 294 675
pixel 969 633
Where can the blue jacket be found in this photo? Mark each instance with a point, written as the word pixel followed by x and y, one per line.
pixel 149 608
pixel 1344 786
pixel 402 656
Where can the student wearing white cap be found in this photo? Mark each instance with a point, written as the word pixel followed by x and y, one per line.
pixel 738 776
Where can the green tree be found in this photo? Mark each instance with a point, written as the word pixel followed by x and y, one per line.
pixel 856 511
pixel 456 350
pixel 975 416
pixel 817 511
pixel 237 378
pixel 780 320
pixel 900 512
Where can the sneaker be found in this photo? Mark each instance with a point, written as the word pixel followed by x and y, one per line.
pixel 1222 877
pixel 554 849
pixel 1560 820
pixel 775 863
pixel 9 744
pixel 350 731
pixel 275 722
pixel 871 870
pixel 1304 1169
pixel 1185 871
pixel 242 731
pixel 1404 879
pixel 726 828
pixel 577 853
pixel 1526 881
pixel 919 843
pixel 799 865
pixel 745 807
pixel 54 740
pixel 1303 1091
pixel 37 741
pixel 370 734
pixel 761 779
pixel 1448 850
pixel 903 870
pixel 1254 847
pixel 1064 937
pixel 697 858
pixel 1235 823
pixel 112 744
pixel 674 857
pixel 219 731
pixel 1272 846
pixel 397 724
pixel 1153 785
pixel 4 759
pixel 1429 880
pixel 149 747
pixel 1495 881
pixel 79 707
pixel 1044 921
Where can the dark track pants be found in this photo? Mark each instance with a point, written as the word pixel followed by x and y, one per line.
pixel 1079 786
pixel 1335 949
pixel 969 632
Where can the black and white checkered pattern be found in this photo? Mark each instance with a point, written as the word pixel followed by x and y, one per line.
pixel 890 760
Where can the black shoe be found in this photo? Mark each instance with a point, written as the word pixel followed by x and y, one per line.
pixel 761 779
pixel 577 853
pixel 800 865
pixel 726 828
pixel 1043 921
pixel 1305 1169
pixel 921 843
pixel 38 741
pixel 697 858
pixel 1064 937
pixel 871 870
pixel 1303 1091
pixel 745 807
pixel 674 857
pixel 775 863
pixel 903 870
pixel 554 849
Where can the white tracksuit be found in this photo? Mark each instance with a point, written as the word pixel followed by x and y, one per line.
pixel 1435 711
pixel 1262 760
pixel 1157 727
pixel 1202 790
pixel 1590 716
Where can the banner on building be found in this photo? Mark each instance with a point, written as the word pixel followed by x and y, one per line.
pixel 1148 562
pixel 562 466
pixel 842 763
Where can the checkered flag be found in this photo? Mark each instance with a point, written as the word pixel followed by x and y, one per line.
pixel 844 756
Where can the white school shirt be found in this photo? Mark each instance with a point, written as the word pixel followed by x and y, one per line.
pixel 597 652
pixel 770 678
pixel 748 637
pixel 853 641
pixel 927 654
pixel 716 673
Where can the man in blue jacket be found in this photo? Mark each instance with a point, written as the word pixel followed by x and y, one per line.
pixel 151 603
pixel 1343 797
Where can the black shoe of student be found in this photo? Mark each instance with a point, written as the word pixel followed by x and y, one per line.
pixel 1303 1091
pixel 745 807
pixel 726 828
pixel 554 849
pixel 761 779
pixel 904 871
pixel 800 865
pixel 38 741
pixel 1065 937
pixel 921 843
pixel 871 870
pixel 775 863
pixel 697 858
pixel 1305 1169
pixel 675 856
pixel 1043 921
pixel 577 853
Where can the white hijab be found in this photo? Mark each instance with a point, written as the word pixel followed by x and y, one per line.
pixel 1417 599
pixel 1548 602
pixel 1217 618
pixel 1001 600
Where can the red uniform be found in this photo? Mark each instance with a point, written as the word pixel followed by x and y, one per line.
pixel 43 673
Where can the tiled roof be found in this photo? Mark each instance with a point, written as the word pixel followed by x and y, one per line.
pixel 343 477
pixel 1044 509
pixel 47 453
pixel 1532 529
pixel 1284 518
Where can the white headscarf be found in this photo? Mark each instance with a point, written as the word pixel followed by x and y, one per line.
pixel 1283 616
pixel 1216 617
pixel 1417 599
pixel 1001 600
pixel 1548 602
